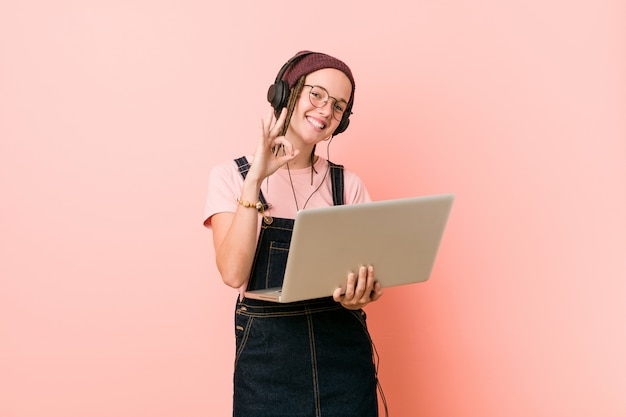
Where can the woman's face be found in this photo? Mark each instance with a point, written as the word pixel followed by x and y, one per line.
pixel 313 124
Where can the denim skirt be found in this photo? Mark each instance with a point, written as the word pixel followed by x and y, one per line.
pixel 304 359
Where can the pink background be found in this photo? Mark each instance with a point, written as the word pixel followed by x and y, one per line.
pixel 112 112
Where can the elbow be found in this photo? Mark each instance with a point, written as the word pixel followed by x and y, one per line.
pixel 233 282
pixel 233 267
pixel 234 278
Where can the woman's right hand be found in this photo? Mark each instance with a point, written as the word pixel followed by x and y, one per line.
pixel 273 149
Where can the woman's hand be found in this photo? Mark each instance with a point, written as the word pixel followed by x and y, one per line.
pixel 272 151
pixel 361 289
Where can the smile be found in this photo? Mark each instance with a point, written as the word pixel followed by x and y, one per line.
pixel 316 123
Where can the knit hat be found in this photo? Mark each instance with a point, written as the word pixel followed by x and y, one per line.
pixel 316 61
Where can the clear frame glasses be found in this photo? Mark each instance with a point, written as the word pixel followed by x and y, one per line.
pixel 318 96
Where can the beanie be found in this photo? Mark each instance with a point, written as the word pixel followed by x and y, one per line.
pixel 313 62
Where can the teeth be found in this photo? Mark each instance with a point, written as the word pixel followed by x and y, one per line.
pixel 316 123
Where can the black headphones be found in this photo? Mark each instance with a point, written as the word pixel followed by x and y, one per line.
pixel 278 94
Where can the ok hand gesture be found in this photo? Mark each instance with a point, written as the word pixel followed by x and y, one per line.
pixel 273 150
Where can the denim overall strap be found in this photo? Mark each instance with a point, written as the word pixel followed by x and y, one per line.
pixel 244 166
pixel 336 176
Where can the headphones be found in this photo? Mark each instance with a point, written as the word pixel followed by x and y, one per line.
pixel 278 94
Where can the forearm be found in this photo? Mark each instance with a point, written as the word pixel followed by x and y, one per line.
pixel 235 250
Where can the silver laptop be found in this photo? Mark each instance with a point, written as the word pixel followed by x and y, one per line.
pixel 399 237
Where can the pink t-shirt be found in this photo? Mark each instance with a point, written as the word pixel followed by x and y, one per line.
pixel 225 184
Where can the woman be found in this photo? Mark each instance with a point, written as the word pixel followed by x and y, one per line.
pixel 310 358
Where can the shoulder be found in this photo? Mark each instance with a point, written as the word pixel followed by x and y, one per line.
pixel 348 174
pixel 229 165
pixel 355 189
pixel 224 186
pixel 227 170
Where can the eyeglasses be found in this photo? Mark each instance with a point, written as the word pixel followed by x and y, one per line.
pixel 318 96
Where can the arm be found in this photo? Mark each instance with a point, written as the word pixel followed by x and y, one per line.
pixel 234 234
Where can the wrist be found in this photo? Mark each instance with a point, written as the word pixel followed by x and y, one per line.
pixel 257 205
pixel 251 189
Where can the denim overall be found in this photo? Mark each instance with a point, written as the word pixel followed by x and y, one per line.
pixel 304 359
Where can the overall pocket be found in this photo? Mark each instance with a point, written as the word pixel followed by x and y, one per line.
pixel 276 264
pixel 243 325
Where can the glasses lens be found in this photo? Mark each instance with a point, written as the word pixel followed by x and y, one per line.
pixel 338 110
pixel 318 96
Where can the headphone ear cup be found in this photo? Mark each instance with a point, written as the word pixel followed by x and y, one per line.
pixel 343 124
pixel 278 95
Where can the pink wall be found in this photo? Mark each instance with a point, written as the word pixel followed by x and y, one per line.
pixel 112 112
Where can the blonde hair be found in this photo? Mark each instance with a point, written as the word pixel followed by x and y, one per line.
pixel 291 104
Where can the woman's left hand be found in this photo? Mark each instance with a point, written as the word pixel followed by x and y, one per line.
pixel 361 289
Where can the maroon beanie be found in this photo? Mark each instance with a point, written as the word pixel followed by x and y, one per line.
pixel 313 62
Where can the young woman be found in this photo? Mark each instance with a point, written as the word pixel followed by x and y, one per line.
pixel 310 358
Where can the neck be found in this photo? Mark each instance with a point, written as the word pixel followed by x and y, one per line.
pixel 305 159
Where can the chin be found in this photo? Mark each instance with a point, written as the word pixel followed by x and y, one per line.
pixel 319 135
pixel 312 136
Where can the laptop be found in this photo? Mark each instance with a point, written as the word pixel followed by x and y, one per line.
pixel 399 237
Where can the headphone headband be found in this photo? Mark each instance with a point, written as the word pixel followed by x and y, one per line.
pixel 289 63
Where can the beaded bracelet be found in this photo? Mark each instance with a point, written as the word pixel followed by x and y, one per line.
pixel 258 205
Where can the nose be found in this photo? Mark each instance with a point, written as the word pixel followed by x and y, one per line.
pixel 327 108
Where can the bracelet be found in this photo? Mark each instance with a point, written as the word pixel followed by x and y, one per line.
pixel 258 205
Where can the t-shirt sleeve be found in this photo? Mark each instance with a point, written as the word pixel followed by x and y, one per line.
pixel 224 186
pixel 355 190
